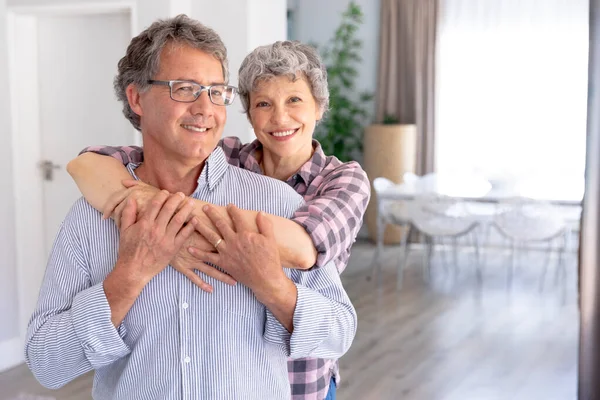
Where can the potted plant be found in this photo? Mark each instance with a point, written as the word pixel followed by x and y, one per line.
pixel 341 131
pixel 390 150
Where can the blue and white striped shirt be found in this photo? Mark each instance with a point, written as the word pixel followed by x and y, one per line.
pixel 178 342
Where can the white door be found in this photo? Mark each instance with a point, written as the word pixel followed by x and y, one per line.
pixel 77 61
pixel 62 70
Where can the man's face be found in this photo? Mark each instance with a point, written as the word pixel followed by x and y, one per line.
pixel 182 132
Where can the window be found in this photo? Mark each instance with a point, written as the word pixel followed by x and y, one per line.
pixel 512 88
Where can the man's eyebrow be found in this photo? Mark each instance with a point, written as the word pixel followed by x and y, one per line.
pixel 193 81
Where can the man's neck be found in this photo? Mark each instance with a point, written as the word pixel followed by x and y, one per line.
pixel 162 172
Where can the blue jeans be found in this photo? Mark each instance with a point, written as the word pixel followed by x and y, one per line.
pixel 332 389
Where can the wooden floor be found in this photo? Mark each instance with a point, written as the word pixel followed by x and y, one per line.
pixel 439 341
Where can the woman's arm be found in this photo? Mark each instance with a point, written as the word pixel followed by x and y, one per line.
pixel 99 177
pixel 334 215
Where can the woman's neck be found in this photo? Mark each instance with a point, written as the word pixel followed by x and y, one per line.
pixel 282 168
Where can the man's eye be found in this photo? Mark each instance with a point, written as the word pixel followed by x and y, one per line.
pixel 216 93
pixel 185 89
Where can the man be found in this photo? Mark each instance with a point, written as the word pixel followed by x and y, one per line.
pixel 109 302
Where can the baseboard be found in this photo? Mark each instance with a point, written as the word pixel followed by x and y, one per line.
pixel 11 353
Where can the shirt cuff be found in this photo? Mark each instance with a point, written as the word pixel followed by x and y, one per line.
pixel 312 324
pixel 101 342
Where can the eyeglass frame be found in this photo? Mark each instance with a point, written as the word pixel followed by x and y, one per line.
pixel 202 89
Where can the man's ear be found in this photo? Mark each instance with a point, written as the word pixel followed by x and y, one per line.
pixel 133 98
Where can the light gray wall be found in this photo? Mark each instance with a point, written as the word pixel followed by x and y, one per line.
pixel 316 21
pixel 9 311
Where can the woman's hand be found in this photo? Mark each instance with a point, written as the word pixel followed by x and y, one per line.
pixel 187 264
pixel 140 192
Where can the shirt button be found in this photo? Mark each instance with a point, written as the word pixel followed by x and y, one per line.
pixel 187 360
pixel 185 306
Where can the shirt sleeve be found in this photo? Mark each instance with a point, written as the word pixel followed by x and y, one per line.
pixel 70 332
pixel 125 154
pixel 334 215
pixel 325 321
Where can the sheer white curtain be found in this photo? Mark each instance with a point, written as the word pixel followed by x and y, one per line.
pixel 512 88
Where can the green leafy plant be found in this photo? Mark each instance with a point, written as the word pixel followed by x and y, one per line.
pixel 341 131
pixel 389 119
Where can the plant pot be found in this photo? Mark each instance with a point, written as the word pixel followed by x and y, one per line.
pixel 389 151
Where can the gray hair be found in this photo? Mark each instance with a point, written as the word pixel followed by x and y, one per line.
pixel 142 59
pixel 289 58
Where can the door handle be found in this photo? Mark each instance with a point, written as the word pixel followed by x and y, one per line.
pixel 48 168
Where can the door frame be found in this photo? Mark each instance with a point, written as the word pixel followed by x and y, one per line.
pixel 26 134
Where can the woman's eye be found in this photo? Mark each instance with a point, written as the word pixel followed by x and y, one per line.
pixel 262 104
pixel 295 99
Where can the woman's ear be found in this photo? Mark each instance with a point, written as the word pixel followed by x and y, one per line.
pixel 133 98
pixel 318 113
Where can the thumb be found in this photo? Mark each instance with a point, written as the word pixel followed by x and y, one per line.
pixel 129 214
pixel 265 227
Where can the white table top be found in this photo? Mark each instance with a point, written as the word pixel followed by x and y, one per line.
pixel 560 191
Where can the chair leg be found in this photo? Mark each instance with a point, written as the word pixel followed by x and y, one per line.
pixel 402 261
pixel 427 258
pixel 545 268
pixel 478 272
pixel 511 268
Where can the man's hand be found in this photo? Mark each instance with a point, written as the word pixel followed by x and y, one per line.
pixel 251 257
pixel 146 246
pixel 140 192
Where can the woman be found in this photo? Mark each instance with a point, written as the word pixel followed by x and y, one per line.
pixel 283 89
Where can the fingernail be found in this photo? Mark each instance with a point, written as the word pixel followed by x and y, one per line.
pixel 205 208
pixel 191 250
pixel 181 195
pixel 191 202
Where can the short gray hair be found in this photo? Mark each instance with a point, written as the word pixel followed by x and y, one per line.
pixel 288 58
pixel 142 59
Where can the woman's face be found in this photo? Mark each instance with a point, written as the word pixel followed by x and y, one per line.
pixel 283 114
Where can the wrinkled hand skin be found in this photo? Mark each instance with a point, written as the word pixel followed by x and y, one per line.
pixel 138 191
pixel 148 243
pixel 251 257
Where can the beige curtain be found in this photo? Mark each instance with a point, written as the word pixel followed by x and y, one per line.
pixel 406 76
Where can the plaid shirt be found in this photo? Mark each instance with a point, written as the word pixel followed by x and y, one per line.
pixel 336 196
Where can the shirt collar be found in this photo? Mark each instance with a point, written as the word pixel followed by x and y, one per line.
pixel 214 169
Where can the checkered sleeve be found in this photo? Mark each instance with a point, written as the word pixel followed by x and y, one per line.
pixel 334 215
pixel 125 154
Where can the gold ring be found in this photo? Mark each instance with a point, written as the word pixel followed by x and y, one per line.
pixel 218 242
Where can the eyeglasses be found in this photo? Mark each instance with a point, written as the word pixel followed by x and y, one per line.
pixel 188 92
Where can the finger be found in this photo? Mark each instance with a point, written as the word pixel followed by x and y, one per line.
pixel 184 234
pixel 265 227
pixel 196 280
pixel 237 216
pixel 207 233
pixel 216 274
pixel 130 183
pixel 223 228
pixel 113 201
pixel 180 217
pixel 156 205
pixel 205 256
pixel 168 210
pixel 129 215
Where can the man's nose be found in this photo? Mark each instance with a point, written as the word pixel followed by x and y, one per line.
pixel 203 105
